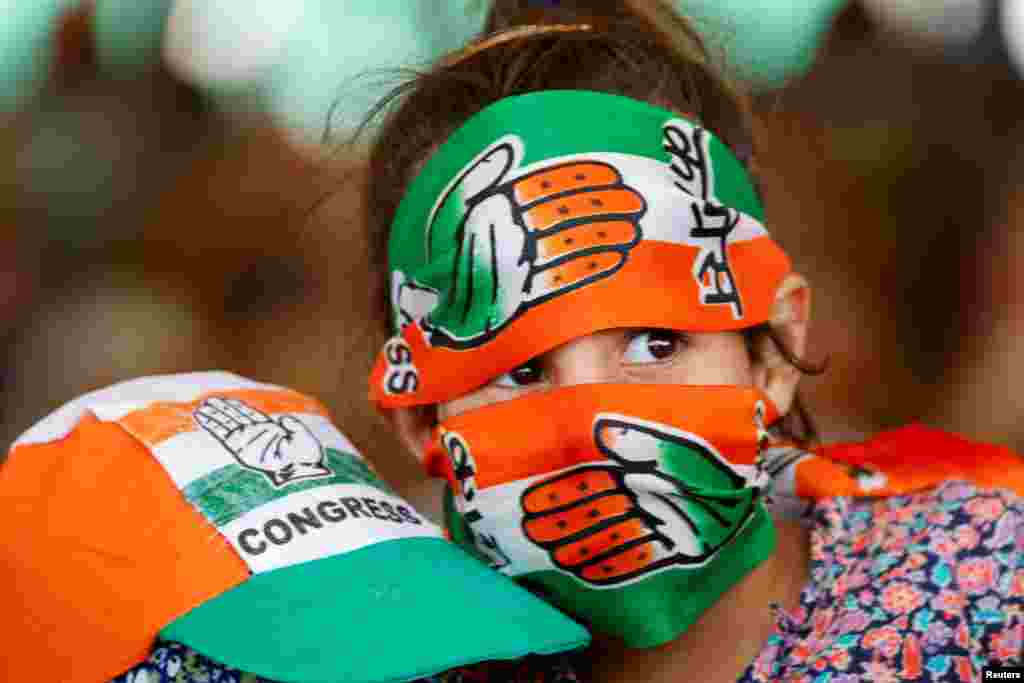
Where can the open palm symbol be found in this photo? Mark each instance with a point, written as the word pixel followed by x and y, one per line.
pixel 611 522
pixel 524 239
pixel 283 448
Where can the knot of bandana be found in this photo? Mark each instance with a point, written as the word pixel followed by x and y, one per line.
pixel 556 214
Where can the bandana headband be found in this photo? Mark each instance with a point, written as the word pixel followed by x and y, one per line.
pixel 552 215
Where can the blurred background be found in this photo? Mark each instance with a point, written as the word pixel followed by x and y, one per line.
pixel 175 195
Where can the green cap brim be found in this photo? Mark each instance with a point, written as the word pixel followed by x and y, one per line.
pixel 394 611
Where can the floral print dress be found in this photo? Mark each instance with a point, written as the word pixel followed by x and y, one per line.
pixel 922 587
pixel 175 663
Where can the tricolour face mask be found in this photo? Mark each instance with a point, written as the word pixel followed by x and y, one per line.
pixel 632 507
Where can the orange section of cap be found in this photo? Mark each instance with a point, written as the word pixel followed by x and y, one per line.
pixel 549 431
pixel 100 552
pixel 160 421
pixel 655 288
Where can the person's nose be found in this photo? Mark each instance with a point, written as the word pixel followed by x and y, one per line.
pixel 587 360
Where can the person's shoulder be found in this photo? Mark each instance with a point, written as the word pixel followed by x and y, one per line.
pixel 917 458
pixel 917 441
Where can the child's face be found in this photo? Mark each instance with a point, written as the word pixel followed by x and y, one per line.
pixel 623 355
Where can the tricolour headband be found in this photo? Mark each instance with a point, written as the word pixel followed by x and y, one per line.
pixel 552 215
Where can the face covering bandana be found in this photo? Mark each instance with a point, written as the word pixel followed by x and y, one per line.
pixel 552 215
pixel 632 507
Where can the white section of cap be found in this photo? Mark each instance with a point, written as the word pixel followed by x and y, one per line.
pixel 275 535
pixel 229 41
pixel 192 455
pixel 116 401
pixel 328 434
pixel 1012 26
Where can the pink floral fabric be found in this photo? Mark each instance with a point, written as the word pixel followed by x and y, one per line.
pixel 923 587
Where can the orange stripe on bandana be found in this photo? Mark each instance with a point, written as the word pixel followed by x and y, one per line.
pixel 503 453
pixel 655 288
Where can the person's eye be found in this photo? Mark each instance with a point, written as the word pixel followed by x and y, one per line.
pixel 652 346
pixel 526 374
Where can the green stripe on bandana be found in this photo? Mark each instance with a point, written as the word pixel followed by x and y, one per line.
pixel 444 266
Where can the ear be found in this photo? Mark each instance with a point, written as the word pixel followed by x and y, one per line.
pixel 415 428
pixel 791 314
